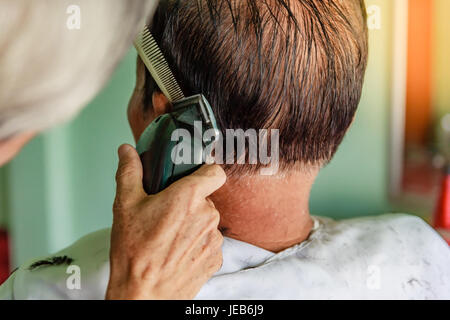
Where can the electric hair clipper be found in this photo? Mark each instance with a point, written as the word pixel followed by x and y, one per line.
pixel 162 159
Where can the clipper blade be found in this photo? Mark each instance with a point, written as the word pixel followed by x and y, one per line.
pixel 157 65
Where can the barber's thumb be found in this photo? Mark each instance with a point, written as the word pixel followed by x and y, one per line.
pixel 129 175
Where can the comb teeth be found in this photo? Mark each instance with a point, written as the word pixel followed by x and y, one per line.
pixel 155 62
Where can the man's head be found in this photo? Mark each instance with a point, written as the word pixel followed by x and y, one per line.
pixel 54 58
pixel 297 66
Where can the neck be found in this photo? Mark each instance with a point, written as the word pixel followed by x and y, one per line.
pixel 269 212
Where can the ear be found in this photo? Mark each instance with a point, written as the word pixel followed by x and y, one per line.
pixel 11 146
pixel 161 104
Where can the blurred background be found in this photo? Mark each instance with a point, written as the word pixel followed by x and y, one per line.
pixel 62 186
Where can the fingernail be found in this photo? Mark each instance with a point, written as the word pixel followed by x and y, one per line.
pixel 123 150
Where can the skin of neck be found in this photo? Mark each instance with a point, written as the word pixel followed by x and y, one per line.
pixel 270 212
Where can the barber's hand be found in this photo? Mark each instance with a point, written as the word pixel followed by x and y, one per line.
pixel 164 246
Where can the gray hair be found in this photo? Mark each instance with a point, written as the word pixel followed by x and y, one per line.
pixel 48 70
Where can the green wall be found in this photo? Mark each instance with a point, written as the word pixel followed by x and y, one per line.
pixel 62 185
pixel 3 197
pixel 441 55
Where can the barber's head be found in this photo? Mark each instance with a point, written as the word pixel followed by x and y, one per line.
pixel 48 70
pixel 293 65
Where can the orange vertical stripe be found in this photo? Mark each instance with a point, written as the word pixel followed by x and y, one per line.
pixel 419 89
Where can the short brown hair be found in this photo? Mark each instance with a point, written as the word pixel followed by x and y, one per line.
pixel 297 66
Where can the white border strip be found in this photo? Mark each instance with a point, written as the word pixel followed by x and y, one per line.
pixel 399 82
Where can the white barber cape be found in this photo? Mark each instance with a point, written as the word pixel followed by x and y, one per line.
pixel 387 257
